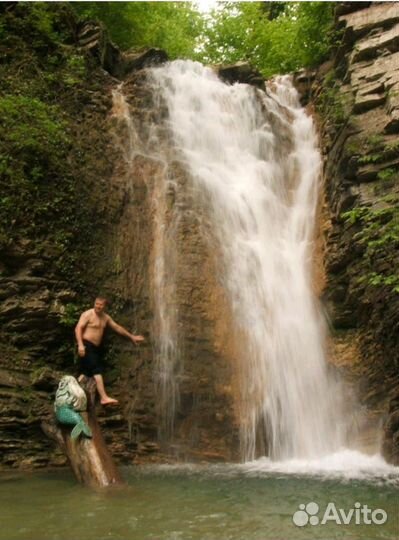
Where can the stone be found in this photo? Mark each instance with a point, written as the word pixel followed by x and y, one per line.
pixel 392 80
pixel 7 289
pixel 392 125
pixel 381 69
pixel 93 37
pixel 369 173
pixel 369 47
pixel 10 308
pixel 390 447
pixel 303 81
pixel 241 72
pixel 369 101
pixel 375 87
pixel 65 295
pixel 133 61
pixel 343 8
pixel 347 200
pixel 338 261
pixel 13 379
pixel 27 283
pixel 393 109
pixel 46 379
pixel 361 21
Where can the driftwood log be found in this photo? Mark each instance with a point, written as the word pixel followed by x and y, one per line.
pixel 90 459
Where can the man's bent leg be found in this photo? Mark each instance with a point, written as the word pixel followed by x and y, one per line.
pixel 104 397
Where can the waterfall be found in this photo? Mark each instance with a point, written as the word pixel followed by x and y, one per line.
pixel 253 161
pixel 141 148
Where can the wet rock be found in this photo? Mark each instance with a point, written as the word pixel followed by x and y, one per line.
pixel 46 379
pixel 390 447
pixel 132 61
pixel 149 448
pixel 241 72
pixel 13 379
pixel 303 81
pixel 347 200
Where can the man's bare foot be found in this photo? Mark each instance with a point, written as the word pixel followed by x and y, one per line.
pixel 109 401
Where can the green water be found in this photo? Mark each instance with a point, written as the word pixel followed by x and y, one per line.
pixel 189 503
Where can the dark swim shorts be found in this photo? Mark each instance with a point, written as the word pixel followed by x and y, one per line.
pixel 91 362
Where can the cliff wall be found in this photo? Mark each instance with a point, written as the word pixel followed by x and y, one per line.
pixel 356 97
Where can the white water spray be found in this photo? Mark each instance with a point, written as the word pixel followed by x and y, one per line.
pixel 253 159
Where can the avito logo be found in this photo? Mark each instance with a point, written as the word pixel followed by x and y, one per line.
pixel 360 514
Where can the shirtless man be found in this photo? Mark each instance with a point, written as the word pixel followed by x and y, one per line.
pixel 89 334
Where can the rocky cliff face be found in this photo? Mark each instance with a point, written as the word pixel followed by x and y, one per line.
pixel 357 99
pixel 57 210
pixel 106 241
pixel 56 159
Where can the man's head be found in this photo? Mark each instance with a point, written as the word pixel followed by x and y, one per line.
pixel 100 303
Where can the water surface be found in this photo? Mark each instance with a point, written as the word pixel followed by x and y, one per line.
pixel 192 502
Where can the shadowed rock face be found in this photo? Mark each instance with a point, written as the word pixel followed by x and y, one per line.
pixel 357 98
pixel 35 290
pixel 241 72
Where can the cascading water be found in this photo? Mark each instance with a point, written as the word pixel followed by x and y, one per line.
pixel 253 159
pixel 166 347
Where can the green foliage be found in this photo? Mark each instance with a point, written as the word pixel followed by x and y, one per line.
pixel 32 144
pixel 297 35
pixel 275 37
pixel 33 128
pixel 75 69
pixel 370 158
pixel 41 197
pixel 331 103
pixel 392 147
pixel 41 20
pixel 356 214
pixel 373 150
pixel 379 234
pixel 172 26
pixel 353 148
pixel 375 279
pixel 70 315
pixel 42 24
pixel 386 174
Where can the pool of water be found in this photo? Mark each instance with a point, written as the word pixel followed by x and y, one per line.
pixel 254 501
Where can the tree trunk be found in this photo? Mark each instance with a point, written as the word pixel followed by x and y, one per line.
pixel 90 459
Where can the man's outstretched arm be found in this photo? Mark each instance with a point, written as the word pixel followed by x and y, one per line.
pixel 123 332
